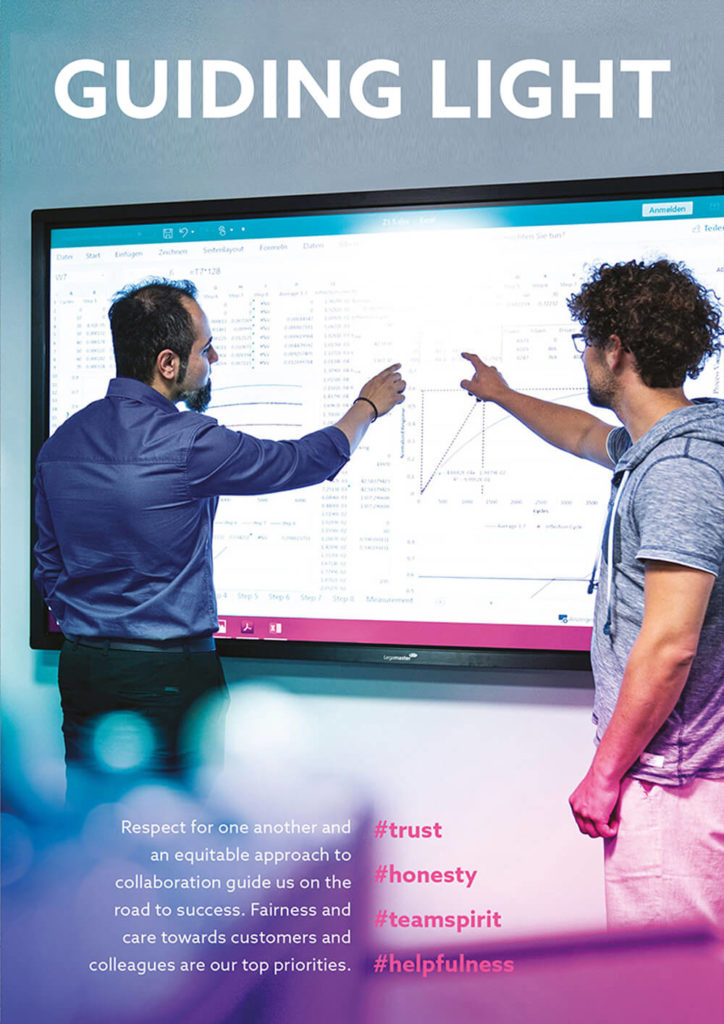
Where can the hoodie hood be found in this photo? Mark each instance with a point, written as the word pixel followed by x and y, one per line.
pixel 703 420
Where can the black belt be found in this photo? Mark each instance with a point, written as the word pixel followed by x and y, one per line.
pixel 180 645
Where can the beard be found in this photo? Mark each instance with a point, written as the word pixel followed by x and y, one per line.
pixel 601 385
pixel 198 401
pixel 601 396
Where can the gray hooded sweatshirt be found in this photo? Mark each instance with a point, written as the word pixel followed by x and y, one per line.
pixel 667 500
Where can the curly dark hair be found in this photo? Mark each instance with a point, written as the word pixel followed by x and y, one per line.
pixel 663 316
pixel 145 319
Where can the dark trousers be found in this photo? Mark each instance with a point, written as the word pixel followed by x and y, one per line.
pixel 127 714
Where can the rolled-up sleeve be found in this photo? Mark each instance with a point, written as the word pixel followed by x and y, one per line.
pixel 222 461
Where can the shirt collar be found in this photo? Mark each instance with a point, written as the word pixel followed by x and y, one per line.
pixel 129 387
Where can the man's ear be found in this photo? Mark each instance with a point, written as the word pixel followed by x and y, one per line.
pixel 615 352
pixel 167 364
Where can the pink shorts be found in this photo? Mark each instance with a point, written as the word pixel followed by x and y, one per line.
pixel 666 865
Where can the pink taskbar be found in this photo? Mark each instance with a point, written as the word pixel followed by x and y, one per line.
pixel 417 634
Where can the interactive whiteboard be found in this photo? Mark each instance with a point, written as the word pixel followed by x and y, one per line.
pixel 454 534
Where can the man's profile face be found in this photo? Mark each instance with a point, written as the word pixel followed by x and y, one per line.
pixel 195 381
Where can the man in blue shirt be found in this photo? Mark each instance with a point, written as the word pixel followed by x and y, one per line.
pixel 126 493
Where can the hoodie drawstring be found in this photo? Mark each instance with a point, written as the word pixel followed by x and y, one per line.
pixel 608 629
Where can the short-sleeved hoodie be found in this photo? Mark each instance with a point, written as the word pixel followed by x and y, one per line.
pixel 667 497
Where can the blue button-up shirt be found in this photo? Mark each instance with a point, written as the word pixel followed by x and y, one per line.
pixel 126 493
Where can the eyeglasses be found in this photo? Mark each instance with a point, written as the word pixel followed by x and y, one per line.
pixel 581 343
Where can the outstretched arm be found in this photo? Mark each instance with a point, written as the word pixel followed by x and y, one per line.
pixel 224 461
pixel 572 430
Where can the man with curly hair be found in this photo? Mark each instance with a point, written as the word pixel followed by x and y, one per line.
pixel 655 788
